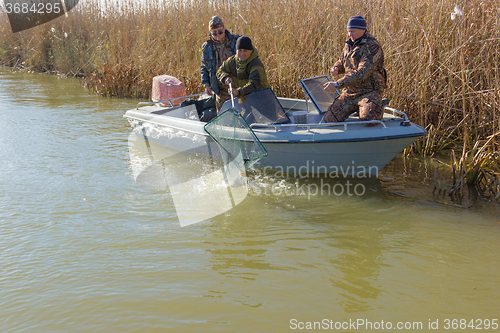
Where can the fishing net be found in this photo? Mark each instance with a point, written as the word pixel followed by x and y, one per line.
pixel 235 138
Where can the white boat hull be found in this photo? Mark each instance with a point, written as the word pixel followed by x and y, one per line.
pixel 340 158
pixel 339 149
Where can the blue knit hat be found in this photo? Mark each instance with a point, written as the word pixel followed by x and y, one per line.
pixel 356 22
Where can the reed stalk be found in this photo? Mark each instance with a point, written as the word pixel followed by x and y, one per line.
pixel 477 166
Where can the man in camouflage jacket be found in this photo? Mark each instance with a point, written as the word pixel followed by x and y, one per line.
pixel 362 62
pixel 214 52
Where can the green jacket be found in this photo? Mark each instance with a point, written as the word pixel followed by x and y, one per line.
pixel 248 75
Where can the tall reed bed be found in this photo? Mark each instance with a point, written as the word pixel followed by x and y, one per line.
pixel 444 73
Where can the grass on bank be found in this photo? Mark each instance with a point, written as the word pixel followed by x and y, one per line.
pixel 444 73
pixel 478 166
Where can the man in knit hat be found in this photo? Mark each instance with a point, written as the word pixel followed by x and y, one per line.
pixel 220 46
pixel 364 80
pixel 245 71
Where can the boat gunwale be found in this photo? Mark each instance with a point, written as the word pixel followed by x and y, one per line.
pixel 286 141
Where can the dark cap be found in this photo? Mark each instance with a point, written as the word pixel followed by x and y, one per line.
pixel 244 43
pixel 356 22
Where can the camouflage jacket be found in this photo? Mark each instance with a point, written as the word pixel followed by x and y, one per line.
pixel 208 67
pixel 248 75
pixel 362 62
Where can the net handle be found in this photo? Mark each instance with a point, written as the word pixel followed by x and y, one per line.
pixel 231 91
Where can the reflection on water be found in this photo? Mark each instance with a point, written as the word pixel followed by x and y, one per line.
pixel 424 179
pixel 359 266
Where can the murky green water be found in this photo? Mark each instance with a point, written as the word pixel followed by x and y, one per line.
pixel 84 249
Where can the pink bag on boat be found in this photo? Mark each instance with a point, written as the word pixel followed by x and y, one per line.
pixel 168 87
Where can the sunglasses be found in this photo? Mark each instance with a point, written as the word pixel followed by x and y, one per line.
pixel 217 32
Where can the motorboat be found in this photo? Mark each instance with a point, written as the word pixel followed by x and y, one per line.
pixel 290 133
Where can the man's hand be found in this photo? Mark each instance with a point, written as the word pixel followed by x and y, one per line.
pixel 235 92
pixel 329 86
pixel 209 91
pixel 228 80
pixel 334 71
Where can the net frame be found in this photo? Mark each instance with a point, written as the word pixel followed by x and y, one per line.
pixel 235 138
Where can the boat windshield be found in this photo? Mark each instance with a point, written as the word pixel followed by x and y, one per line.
pixel 313 88
pixel 261 106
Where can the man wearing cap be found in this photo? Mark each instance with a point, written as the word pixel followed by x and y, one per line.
pixel 214 52
pixel 364 80
pixel 245 71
